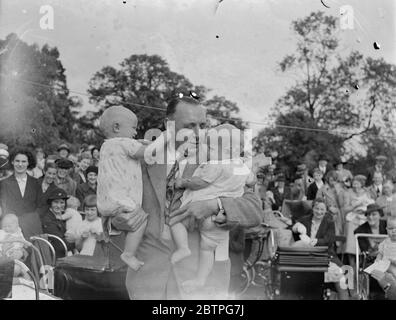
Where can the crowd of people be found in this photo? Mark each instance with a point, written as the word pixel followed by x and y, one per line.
pixel 104 191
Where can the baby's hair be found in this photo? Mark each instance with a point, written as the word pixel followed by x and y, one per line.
pixel 112 115
pixel 391 219
pixel 11 216
pixel 73 202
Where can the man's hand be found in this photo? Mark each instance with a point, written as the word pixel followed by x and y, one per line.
pixel 199 210
pixel 127 220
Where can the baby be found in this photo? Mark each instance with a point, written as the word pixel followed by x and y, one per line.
pixel 11 238
pixel 72 216
pixel 91 228
pixel 387 248
pixel 225 175
pixel 120 186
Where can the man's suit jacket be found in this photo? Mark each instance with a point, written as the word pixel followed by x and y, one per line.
pixel 312 191
pixel 24 207
pixel 370 175
pixel 372 191
pixel 278 197
pixel 157 279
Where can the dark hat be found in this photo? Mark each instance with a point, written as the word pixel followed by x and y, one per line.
pixel 56 194
pixel 280 177
pixel 91 169
pixel 63 146
pixel 322 157
pixel 64 163
pixel 374 207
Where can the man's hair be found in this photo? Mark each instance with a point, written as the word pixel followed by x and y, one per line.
pixel 172 104
pixel 28 154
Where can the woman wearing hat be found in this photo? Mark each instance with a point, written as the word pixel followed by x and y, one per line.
pixel 63 151
pixel 373 225
pixel 88 187
pixel 342 173
pixel 63 179
pixel 356 202
pixel 52 222
pixel 19 193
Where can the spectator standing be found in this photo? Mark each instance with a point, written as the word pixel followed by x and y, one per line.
pixel 95 153
pixel 47 184
pixel 375 190
pixel 378 167
pixel 85 162
pixel 63 179
pixel 89 187
pixel 63 151
pixel 387 198
pixel 315 185
pixel 19 193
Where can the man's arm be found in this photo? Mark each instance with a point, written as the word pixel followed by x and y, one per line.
pixel 193 183
pixel 245 211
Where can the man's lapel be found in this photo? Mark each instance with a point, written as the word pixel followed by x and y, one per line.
pixel 157 173
pixel 15 187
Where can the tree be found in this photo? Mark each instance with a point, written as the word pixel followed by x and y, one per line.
pixel 221 110
pixel 293 145
pixel 330 85
pixel 36 76
pixel 143 84
pixel 343 95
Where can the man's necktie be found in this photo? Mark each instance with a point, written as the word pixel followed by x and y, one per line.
pixel 378 192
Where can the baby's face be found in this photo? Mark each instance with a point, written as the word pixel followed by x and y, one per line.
pixel 10 225
pixel 128 127
pixel 392 231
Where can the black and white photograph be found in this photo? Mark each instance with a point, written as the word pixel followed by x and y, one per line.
pixel 178 150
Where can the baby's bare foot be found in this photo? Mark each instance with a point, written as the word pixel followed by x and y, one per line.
pixel 131 261
pixel 180 254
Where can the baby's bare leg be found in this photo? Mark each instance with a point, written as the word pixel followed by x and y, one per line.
pixel 132 242
pixel 180 236
pixel 206 261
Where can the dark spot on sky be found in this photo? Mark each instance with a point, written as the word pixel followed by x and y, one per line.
pixel 194 95
pixel 217 36
pixel 376 46
pixel 33 130
pixel 357 86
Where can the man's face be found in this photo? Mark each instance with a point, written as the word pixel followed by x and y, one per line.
pixel 377 179
pixel 84 164
pixel 62 173
pixel 189 116
pixel 91 213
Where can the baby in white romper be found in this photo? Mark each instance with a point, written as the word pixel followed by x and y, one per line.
pixel 225 175
pixel 120 186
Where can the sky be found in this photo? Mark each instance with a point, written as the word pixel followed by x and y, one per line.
pixel 240 64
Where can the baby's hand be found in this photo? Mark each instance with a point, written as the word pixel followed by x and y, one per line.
pixel 179 183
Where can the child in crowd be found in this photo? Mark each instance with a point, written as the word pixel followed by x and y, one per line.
pixel 387 248
pixel 12 240
pixel 91 228
pixel 120 187
pixel 225 175
pixel 72 216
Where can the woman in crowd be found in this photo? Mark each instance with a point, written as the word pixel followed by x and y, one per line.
pixel 332 194
pixel 342 173
pixel 47 185
pixel 19 193
pixel 63 179
pixel 52 221
pixel 89 187
pixel 316 185
pixel 83 165
pixel 374 225
pixel 385 200
pixel 319 230
pixel 355 204
pixel 95 153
